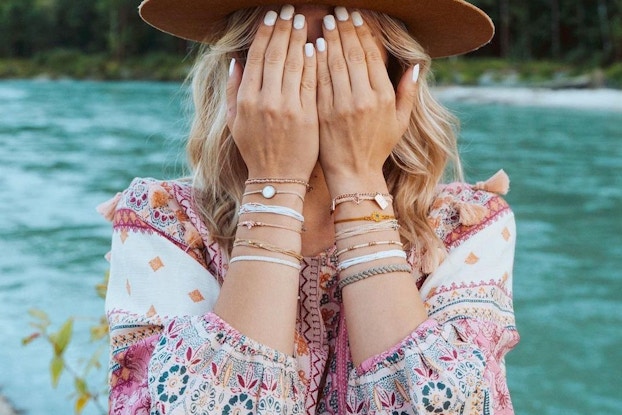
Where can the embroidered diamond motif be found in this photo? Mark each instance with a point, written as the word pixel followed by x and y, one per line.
pixel 471 259
pixel 124 234
pixel 196 296
pixel 128 287
pixel 506 234
pixel 156 263
pixel 152 311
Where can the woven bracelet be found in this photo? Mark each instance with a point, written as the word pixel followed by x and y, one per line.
pixel 385 269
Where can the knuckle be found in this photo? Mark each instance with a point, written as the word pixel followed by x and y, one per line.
pixel 293 65
pixel 323 78
pixel 308 84
pixel 254 57
pixel 274 55
pixel 356 55
pixel 374 55
pixel 337 63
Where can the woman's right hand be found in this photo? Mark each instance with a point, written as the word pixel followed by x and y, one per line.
pixel 272 110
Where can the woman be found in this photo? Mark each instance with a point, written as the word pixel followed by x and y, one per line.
pixel 314 265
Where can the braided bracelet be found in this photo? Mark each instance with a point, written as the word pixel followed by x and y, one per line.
pixel 268 247
pixel 275 180
pixel 393 253
pixel 360 276
pixel 368 244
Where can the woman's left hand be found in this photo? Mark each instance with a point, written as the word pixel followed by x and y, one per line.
pixel 361 116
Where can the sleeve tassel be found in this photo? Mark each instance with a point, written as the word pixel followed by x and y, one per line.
pixel 192 236
pixel 158 196
pixel 108 208
pixel 471 214
pixel 499 183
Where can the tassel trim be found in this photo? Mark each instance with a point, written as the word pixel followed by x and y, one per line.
pixel 470 214
pixel 108 208
pixel 499 183
pixel 158 196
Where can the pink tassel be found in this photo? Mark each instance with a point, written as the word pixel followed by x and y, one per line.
pixel 471 214
pixel 432 259
pixel 192 236
pixel 158 196
pixel 499 183
pixel 108 208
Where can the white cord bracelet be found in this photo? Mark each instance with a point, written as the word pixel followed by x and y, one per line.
pixel 393 253
pixel 265 259
pixel 277 210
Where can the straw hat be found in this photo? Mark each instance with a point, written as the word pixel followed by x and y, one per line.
pixel 442 27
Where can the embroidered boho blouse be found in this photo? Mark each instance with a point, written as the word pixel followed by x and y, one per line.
pixel 171 355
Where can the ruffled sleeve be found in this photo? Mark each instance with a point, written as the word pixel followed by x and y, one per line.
pixel 169 353
pixel 454 362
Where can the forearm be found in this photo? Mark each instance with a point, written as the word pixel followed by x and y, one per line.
pixel 382 309
pixel 258 297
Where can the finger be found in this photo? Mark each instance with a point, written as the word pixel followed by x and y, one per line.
pixel 233 86
pixel 374 58
pixel 253 68
pixel 308 84
pixel 324 81
pixel 406 96
pixel 353 52
pixel 295 61
pixel 337 65
pixel 276 53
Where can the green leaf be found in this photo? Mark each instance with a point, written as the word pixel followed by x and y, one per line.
pixel 39 314
pixel 80 385
pixel 56 369
pixel 62 337
pixel 27 340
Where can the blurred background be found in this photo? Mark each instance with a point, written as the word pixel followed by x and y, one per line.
pixel 91 97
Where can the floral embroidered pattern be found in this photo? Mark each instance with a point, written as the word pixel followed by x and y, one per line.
pixel 195 363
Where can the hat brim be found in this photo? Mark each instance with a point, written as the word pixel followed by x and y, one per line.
pixel 442 27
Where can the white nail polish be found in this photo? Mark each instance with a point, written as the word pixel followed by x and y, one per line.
pixel 270 18
pixel 329 22
pixel 357 19
pixel 287 12
pixel 309 50
pixel 299 21
pixel 416 72
pixel 231 66
pixel 321 44
pixel 341 13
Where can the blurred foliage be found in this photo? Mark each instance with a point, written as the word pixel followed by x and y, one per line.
pixel 84 392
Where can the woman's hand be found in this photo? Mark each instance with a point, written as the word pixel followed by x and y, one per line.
pixel 361 117
pixel 272 109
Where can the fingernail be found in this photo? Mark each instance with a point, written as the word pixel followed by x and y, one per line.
pixel 357 19
pixel 321 44
pixel 299 21
pixel 416 73
pixel 287 12
pixel 231 66
pixel 341 13
pixel 309 50
pixel 329 22
pixel 270 18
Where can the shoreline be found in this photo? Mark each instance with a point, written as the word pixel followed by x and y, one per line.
pixel 600 99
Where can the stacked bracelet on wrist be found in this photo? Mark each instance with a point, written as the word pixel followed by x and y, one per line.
pixel 381 199
pixel 385 269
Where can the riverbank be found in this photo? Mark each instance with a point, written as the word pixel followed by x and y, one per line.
pixel 61 64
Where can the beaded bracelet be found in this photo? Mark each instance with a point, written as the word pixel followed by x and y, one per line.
pixel 365 229
pixel 368 244
pixel 360 276
pixel 393 253
pixel 373 217
pixel 277 210
pixel 275 180
pixel 268 192
pixel 381 199
pixel 268 247
pixel 249 224
pixel 265 259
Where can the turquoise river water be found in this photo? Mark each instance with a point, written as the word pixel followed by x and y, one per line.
pixel 66 146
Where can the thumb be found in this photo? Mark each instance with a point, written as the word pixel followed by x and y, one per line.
pixel 233 85
pixel 406 95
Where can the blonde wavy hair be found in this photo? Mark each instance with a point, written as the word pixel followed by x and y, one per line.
pixel 426 154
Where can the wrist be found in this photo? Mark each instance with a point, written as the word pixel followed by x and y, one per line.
pixel 352 183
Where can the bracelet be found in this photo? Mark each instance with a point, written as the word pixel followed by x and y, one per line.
pixel 368 244
pixel 393 253
pixel 277 210
pixel 381 199
pixel 373 217
pixel 274 180
pixel 365 229
pixel 268 192
pixel 249 224
pixel 360 276
pixel 265 259
pixel 268 247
